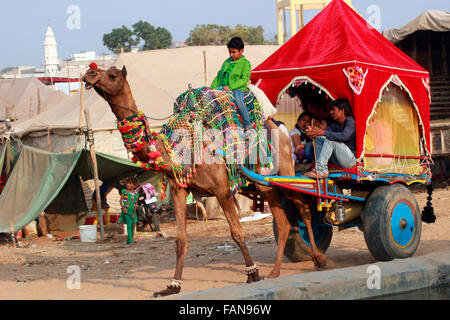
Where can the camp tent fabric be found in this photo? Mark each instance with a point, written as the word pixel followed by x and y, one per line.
pixel 38 177
pixel 110 168
pixel 156 77
pixel 432 20
pixel 23 95
pixel 64 118
pixel 328 49
pixel 34 182
pixel 8 159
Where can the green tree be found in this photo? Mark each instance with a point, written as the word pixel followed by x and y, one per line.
pixel 250 35
pixel 213 34
pixel 120 38
pixel 153 38
pixel 209 34
pixel 142 33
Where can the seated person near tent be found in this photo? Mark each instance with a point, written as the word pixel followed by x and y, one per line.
pixel 337 143
pixel 104 191
pixel 299 137
pixel 324 124
pixel 234 76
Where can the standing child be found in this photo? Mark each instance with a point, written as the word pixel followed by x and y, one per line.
pixel 234 76
pixel 128 202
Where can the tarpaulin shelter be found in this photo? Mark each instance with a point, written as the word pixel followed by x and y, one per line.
pixel 36 179
pixel 340 53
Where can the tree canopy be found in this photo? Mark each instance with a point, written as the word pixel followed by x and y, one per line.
pixel 142 33
pixel 213 34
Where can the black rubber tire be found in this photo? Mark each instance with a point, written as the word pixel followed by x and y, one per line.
pixel 297 249
pixel 376 218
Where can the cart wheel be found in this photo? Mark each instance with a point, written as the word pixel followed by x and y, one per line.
pixel 392 223
pixel 298 247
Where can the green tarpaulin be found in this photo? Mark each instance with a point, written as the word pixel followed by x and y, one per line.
pixel 36 177
pixel 34 182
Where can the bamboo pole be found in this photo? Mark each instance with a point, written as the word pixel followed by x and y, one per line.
pixel 13 234
pixel 39 101
pixel 96 180
pixel 204 65
pixel 7 113
pixel 80 119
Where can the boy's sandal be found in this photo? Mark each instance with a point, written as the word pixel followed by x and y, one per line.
pixel 315 175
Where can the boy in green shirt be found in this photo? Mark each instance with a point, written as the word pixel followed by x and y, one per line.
pixel 234 76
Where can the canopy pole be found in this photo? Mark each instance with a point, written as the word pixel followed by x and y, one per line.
pixel 204 65
pixel 80 121
pixel 96 180
pixel 39 101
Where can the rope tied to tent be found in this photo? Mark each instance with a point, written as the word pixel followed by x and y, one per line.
pixel 89 138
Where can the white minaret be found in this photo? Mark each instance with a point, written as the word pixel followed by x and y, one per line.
pixel 50 53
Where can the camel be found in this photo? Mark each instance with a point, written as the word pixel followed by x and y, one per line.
pixel 212 179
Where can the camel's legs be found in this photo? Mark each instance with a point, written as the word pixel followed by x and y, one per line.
pixel 305 212
pixel 179 201
pixel 274 198
pixel 283 227
pixel 237 233
pixel 179 196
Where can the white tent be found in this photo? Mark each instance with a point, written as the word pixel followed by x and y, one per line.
pixel 23 98
pixel 156 78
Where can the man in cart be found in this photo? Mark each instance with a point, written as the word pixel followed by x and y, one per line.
pixel 337 143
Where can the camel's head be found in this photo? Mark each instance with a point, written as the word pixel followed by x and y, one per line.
pixel 109 82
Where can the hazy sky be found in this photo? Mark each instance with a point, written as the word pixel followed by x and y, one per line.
pixel 23 23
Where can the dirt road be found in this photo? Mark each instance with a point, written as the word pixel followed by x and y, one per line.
pixel 111 270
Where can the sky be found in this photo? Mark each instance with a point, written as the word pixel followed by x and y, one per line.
pixel 23 23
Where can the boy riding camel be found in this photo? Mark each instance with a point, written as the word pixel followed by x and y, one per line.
pixel 234 76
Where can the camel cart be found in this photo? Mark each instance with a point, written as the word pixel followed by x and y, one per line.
pixel 390 98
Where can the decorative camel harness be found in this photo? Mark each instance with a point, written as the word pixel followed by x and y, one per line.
pixel 198 107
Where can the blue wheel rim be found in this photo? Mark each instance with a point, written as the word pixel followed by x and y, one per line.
pixel 318 231
pixel 403 224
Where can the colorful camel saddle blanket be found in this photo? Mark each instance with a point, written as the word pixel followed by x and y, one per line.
pixel 206 127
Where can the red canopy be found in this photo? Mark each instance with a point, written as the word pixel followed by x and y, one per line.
pixel 342 54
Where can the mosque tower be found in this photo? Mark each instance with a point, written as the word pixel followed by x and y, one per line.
pixel 50 53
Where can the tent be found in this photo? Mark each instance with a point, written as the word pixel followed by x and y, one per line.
pixel 20 98
pixel 40 181
pixel 156 77
pixel 342 55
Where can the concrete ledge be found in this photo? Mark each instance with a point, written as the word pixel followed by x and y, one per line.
pixel 396 276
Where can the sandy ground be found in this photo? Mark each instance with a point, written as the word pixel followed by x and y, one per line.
pixel 111 270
